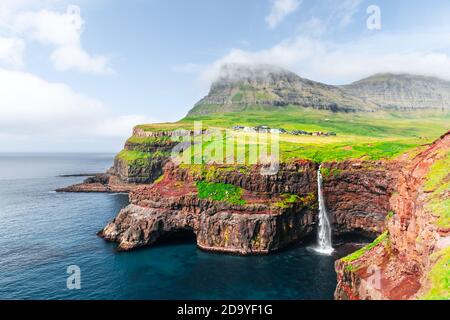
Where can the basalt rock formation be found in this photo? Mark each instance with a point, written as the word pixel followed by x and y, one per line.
pixel 155 145
pixel 279 209
pixel 103 183
pixel 357 195
pixel 263 224
pixel 411 260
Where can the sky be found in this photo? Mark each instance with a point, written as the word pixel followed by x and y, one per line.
pixel 76 76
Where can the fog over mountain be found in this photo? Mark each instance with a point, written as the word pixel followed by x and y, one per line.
pixel 240 86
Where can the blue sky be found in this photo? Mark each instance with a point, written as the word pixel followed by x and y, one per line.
pixel 77 75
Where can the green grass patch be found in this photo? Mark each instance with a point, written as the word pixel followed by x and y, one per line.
pixel 383 125
pixel 439 277
pixel 329 172
pixel 161 178
pixel 390 215
pixel 438 185
pixel 359 253
pixel 220 192
pixel 288 200
pixel 263 96
pixel 139 158
pixel 149 140
pixel 369 136
pixel 237 97
pixel 130 156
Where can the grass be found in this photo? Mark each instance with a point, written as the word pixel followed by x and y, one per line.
pixel 288 200
pixel 356 124
pixel 329 172
pixel 439 277
pixel 370 136
pixel 220 192
pixel 390 215
pixel 139 158
pixel 238 97
pixel 438 184
pixel 359 253
pixel 130 156
pixel 149 140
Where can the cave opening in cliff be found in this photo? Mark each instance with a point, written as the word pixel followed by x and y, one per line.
pixel 180 236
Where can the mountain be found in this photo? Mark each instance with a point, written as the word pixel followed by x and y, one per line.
pixel 240 86
pixel 402 91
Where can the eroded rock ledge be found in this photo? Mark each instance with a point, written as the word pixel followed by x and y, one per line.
pixel 265 223
pixel 399 264
pixel 259 226
pixel 104 183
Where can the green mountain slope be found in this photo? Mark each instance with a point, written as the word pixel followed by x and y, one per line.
pixel 402 91
pixel 240 87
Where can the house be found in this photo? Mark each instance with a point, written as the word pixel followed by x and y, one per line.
pixel 278 130
pixel 262 129
pixel 298 132
pixel 238 128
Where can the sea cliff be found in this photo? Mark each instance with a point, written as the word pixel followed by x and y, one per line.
pixel 402 203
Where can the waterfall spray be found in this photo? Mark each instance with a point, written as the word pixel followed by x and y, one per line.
pixel 324 244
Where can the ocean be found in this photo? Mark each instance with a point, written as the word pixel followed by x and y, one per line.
pixel 42 233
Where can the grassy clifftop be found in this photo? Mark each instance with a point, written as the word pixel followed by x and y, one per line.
pixel 370 136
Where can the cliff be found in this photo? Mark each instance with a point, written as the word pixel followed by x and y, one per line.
pixel 357 194
pixel 411 260
pixel 239 210
pixel 403 203
pixel 223 217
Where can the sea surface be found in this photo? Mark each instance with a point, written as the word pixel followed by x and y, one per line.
pixel 42 233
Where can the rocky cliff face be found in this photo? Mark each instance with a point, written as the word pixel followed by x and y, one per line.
pixel 411 260
pixel 402 91
pixel 279 209
pixel 262 225
pixel 144 156
pixel 357 195
pixel 239 87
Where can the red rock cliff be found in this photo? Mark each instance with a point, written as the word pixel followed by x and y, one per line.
pixel 402 263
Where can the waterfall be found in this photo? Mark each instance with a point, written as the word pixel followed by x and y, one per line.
pixel 324 244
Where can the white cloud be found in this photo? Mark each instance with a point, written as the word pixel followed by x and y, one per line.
pixel 280 9
pixel 347 10
pixel 74 57
pixel 63 31
pixel 120 126
pixel 313 27
pixel 11 51
pixel 10 8
pixel 418 53
pixel 35 107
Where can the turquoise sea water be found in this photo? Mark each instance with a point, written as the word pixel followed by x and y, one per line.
pixel 43 232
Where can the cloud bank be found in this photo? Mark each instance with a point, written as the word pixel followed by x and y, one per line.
pixel 11 51
pixel 31 105
pixel 63 31
pixel 281 9
pixel 313 57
